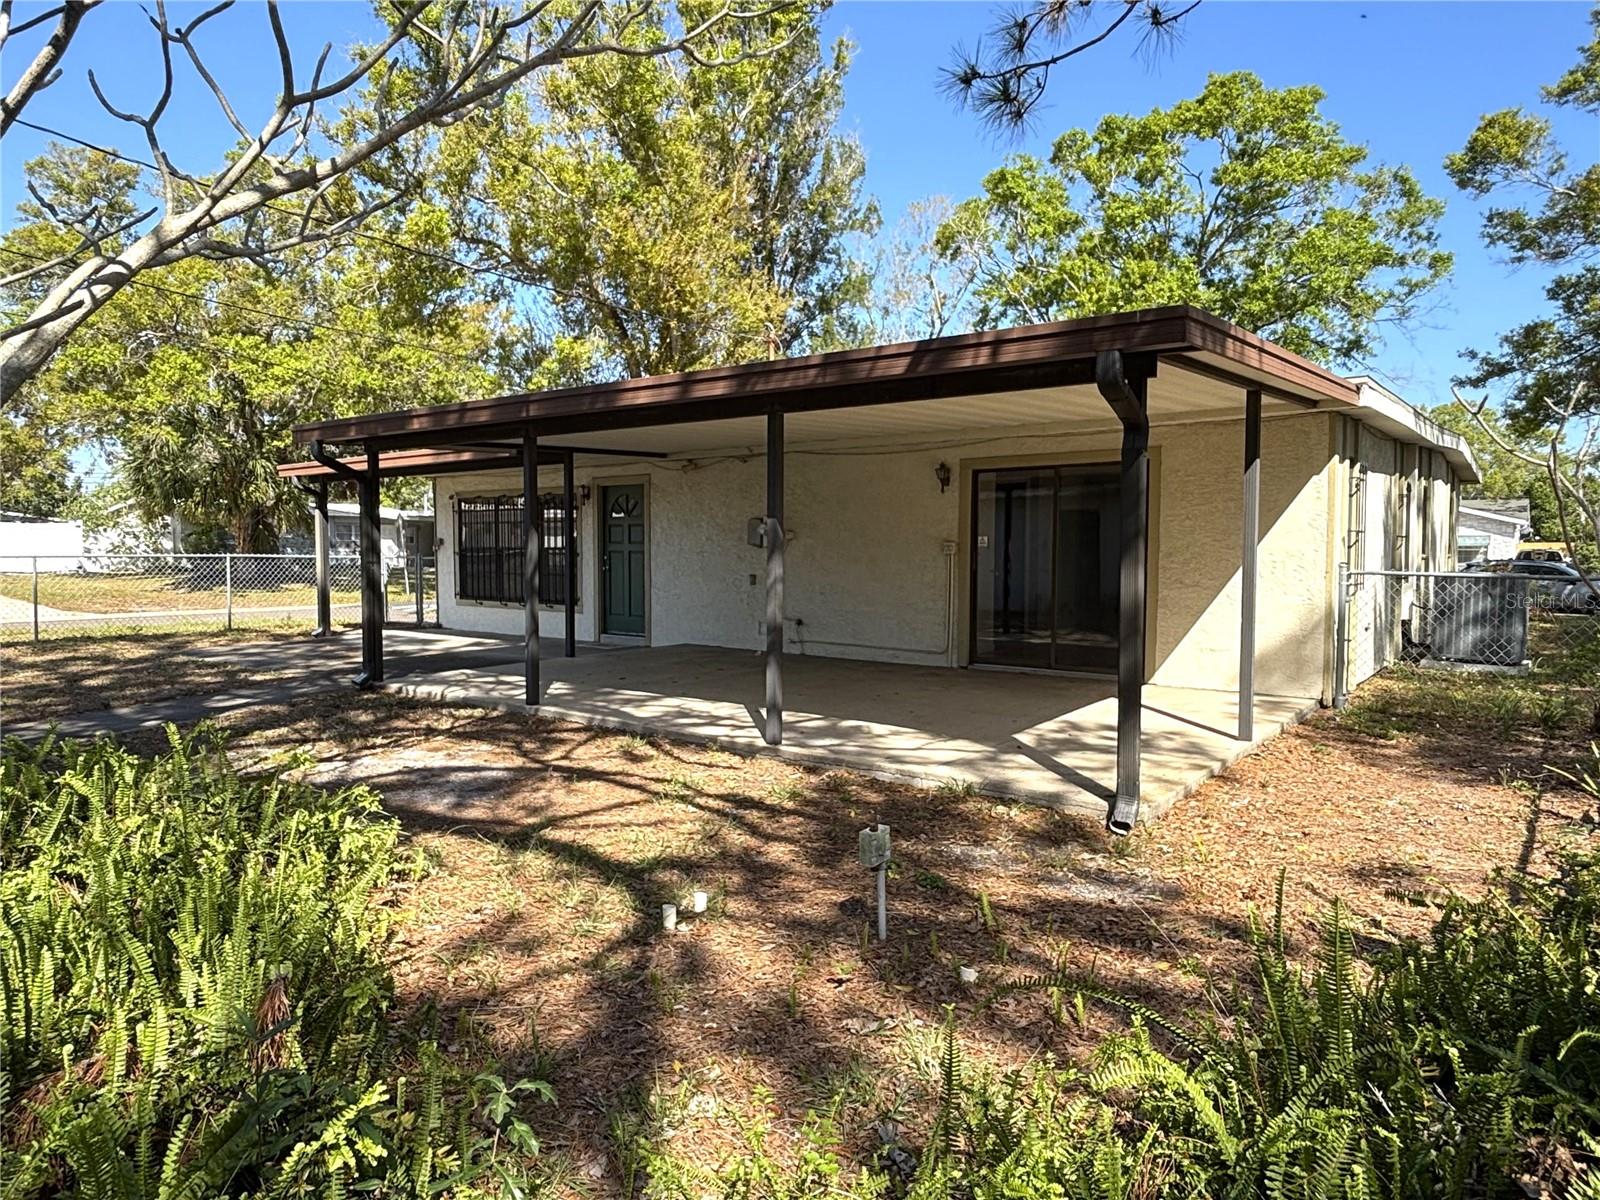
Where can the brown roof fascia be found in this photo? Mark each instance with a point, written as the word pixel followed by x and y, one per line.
pixel 1055 354
pixel 397 463
pixel 1253 352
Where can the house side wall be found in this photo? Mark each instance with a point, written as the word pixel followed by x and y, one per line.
pixel 1504 536
pixel 877 561
pixel 1399 515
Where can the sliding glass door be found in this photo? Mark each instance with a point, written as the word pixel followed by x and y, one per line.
pixel 1044 567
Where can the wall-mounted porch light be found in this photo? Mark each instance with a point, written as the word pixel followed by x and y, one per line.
pixel 583 493
pixel 942 474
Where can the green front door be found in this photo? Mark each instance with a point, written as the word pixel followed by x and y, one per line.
pixel 624 562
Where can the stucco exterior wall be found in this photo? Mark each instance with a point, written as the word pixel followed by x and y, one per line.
pixel 1196 577
pixel 1400 515
pixel 878 558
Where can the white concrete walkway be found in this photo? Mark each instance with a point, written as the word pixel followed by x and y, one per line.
pixel 1046 739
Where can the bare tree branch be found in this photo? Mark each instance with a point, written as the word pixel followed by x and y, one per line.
pixel 1569 466
pixel 475 65
pixel 45 67
pixel 89 243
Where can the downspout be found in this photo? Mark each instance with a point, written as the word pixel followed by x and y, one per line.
pixel 319 532
pixel 1128 395
pixel 367 677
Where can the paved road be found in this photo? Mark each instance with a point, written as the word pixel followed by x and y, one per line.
pixel 20 612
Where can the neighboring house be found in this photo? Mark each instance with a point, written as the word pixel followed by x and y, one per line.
pixel 401 532
pixel 24 537
pixel 1492 530
pixel 955 503
pixel 69 546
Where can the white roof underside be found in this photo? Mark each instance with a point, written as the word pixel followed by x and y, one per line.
pixel 1177 396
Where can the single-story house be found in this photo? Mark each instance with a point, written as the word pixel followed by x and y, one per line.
pixel 1492 530
pixel 62 544
pixel 402 532
pixel 1076 553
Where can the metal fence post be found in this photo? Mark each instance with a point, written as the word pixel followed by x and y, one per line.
pixel 419 584
pixel 227 574
pixel 1341 633
pixel 36 599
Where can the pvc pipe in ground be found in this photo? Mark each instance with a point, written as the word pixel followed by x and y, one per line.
pixel 883 904
pixel 669 917
pixel 698 902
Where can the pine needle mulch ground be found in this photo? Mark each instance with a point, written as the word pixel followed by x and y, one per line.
pixel 58 676
pixel 536 937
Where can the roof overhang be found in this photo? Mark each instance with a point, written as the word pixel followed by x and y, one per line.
pixel 1496 518
pixel 1191 353
pixel 402 463
pixel 1390 415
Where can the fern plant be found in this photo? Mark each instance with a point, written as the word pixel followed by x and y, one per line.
pixel 193 994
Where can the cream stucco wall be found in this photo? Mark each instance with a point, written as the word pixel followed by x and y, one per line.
pixel 878 563
pixel 1398 515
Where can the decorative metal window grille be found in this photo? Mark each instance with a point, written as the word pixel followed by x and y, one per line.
pixel 490 549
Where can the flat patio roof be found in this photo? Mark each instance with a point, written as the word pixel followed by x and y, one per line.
pixel 1002 363
pixel 1128 370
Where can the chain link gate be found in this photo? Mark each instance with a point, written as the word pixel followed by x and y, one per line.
pixel 412 590
pixel 1463 620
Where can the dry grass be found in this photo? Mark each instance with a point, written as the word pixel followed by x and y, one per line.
pixel 108 593
pixel 69 675
pixel 538 935
pixel 138 593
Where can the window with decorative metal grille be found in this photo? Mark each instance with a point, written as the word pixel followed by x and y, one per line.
pixel 490 549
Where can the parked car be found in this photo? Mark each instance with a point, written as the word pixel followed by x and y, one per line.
pixel 1556 586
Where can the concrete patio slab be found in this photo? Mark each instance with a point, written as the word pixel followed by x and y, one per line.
pixel 1041 738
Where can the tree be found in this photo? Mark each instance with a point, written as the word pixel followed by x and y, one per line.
pixel 191 387
pixel 922 282
pixel 44 68
pixel 1505 461
pixel 35 468
pixel 1005 76
pixel 299 177
pixel 1245 201
pixel 1550 215
pixel 1567 452
pixel 686 217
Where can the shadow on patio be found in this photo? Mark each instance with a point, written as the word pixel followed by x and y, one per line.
pixel 1045 739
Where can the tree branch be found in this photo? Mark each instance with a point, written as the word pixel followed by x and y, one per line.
pixel 45 67
pixel 485 66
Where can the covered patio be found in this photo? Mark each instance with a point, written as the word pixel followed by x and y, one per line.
pixel 1037 738
pixel 1105 742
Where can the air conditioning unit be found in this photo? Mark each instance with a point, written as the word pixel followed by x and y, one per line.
pixel 1478 620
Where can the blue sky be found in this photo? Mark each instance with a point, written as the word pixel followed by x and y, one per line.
pixel 1408 80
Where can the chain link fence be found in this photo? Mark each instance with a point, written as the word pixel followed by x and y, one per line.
pixel 118 594
pixel 1466 620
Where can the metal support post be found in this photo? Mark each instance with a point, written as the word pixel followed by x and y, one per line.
pixel 773 733
pixel 1248 565
pixel 532 528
